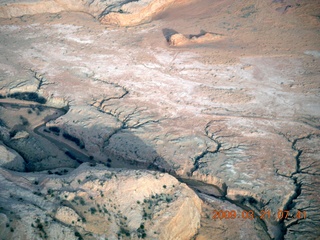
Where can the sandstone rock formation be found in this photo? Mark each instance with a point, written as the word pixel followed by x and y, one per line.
pixel 179 39
pixel 16 9
pixel 119 13
pixel 96 202
pixel 134 13
pixel 10 159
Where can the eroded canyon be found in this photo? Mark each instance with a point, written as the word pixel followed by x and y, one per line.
pixel 130 120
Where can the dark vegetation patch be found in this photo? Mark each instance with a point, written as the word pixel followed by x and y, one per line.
pixel 55 129
pixel 46 130
pixel 73 139
pixel 40 108
pixel 93 210
pixel 70 155
pixel 124 231
pixel 24 121
pixel 141 231
pixel 78 235
pixel 28 96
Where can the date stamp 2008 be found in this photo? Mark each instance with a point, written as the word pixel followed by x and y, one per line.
pixel 263 214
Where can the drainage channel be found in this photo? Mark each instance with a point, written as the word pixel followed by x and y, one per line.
pixel 81 156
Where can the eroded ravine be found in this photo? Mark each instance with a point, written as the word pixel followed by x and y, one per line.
pixel 81 155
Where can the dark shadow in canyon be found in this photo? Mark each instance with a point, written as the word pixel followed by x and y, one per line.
pixel 124 149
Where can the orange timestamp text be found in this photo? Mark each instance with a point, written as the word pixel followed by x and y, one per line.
pixel 263 214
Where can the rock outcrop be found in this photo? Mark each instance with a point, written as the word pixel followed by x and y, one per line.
pixel 10 159
pixel 96 201
pixel 135 13
pixel 118 13
pixel 179 39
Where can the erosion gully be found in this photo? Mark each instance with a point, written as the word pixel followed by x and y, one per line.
pixel 81 155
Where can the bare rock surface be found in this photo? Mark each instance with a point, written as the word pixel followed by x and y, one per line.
pixel 10 159
pixel 95 201
pixel 134 13
pixel 179 39
pixel 110 12
pixel 237 119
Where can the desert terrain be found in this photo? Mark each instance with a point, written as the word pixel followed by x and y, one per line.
pixel 159 119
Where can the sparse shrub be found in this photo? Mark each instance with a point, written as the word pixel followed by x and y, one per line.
pixel 24 121
pixel 40 226
pixel 124 231
pixel 93 210
pixel 141 231
pixel 82 202
pixel 40 108
pixel 28 96
pixel 77 234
